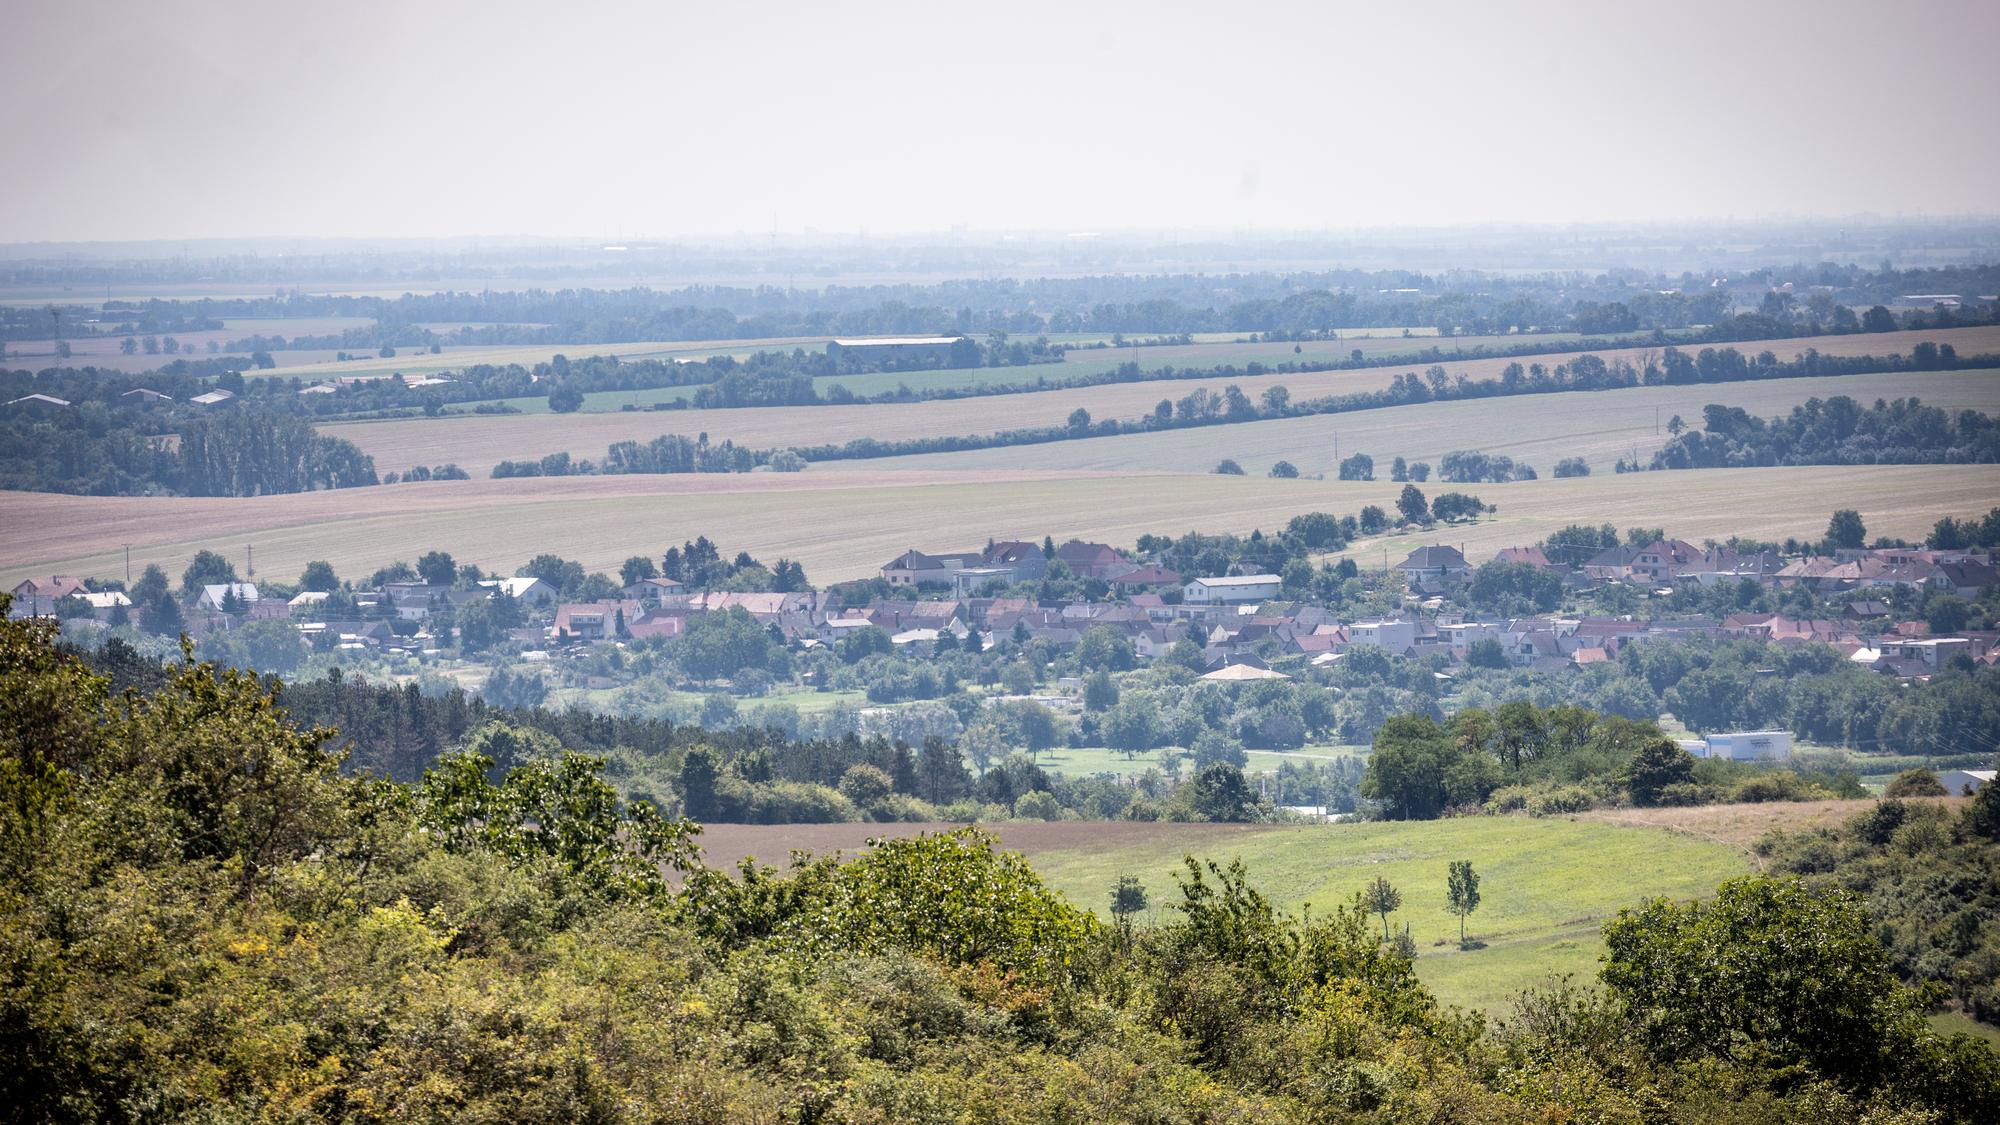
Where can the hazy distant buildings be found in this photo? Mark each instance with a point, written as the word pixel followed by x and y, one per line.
pixel 895 349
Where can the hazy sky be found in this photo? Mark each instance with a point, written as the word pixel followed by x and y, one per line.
pixel 170 120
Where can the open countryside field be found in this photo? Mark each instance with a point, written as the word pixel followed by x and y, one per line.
pixel 844 525
pixel 416 361
pixel 1310 351
pixel 1546 885
pixel 477 442
pixel 1599 426
pixel 107 351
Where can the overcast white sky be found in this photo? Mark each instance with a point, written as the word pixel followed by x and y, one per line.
pixel 362 118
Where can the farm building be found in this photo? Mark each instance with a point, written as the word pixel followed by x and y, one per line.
pixel 1965 782
pixel 39 402
pixel 1744 746
pixel 1236 588
pixel 894 349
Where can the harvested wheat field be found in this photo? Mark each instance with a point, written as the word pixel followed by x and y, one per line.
pixel 1599 426
pixel 1741 826
pixel 476 443
pixel 844 525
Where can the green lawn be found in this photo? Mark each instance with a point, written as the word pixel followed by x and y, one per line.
pixel 1546 886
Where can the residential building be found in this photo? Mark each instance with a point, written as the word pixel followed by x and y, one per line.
pixel 1396 636
pixel 527 590
pixel 1524 556
pixel 1434 564
pixel 1091 560
pixel 595 621
pixel 213 596
pixel 653 589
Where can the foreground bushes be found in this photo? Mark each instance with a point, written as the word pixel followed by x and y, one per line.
pixel 201 918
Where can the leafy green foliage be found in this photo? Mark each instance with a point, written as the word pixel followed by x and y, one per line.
pixel 202 918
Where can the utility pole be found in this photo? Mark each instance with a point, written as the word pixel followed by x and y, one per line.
pixel 250 571
pixel 128 566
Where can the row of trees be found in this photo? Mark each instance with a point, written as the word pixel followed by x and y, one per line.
pixel 94 452
pixel 1835 431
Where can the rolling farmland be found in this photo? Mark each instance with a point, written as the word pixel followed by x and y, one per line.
pixel 1599 426
pixel 843 525
pixel 477 442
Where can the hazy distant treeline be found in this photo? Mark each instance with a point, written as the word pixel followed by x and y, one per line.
pixel 1280 305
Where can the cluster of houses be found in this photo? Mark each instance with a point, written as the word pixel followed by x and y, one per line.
pixel 1238 620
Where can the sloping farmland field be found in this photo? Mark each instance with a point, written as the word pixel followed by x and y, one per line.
pixel 477 442
pixel 1599 426
pixel 844 525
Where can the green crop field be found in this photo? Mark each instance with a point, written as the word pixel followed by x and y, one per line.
pixel 1599 426
pixel 844 525
pixel 1546 886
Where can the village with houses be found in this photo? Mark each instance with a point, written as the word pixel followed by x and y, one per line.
pixel 1035 604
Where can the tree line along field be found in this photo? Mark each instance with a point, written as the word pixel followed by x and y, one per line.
pixel 1599 426
pixel 845 525
pixel 1546 885
pixel 477 442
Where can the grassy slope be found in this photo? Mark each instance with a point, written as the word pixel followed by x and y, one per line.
pixel 1600 426
pixel 844 525
pixel 1546 886
pixel 477 442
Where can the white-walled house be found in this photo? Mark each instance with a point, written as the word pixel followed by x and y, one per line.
pixel 1396 636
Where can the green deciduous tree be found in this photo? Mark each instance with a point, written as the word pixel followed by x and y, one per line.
pixel 1461 892
pixel 1381 897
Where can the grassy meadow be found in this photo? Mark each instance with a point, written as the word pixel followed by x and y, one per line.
pixel 1546 886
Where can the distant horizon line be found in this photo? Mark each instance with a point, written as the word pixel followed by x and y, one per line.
pixel 627 240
